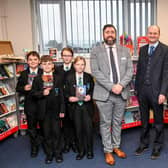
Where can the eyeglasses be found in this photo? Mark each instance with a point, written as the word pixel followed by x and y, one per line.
pixel 66 55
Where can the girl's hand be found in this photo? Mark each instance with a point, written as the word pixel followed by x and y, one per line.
pixel 87 98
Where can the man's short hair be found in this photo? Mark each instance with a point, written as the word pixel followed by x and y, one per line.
pixel 109 25
pixel 46 58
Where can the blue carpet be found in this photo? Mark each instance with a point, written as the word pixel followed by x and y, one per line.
pixel 14 153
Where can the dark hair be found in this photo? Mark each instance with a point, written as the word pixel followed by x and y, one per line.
pixel 46 58
pixel 109 25
pixel 33 53
pixel 67 49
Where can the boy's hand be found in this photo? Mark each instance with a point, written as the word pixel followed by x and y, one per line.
pixel 73 99
pixel 46 91
pixel 61 115
pixel 27 87
pixel 87 98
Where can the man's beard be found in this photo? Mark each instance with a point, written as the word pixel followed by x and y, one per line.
pixel 109 42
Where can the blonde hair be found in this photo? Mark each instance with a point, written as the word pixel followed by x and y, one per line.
pixel 79 58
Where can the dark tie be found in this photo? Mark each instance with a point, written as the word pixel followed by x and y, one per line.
pixel 151 50
pixel 113 66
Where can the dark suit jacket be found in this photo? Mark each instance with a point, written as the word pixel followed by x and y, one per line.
pixel 159 69
pixel 30 102
pixel 70 89
pixel 52 104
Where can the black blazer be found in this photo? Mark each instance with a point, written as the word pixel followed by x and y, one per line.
pixel 159 69
pixel 70 89
pixel 60 69
pixel 52 103
pixel 30 102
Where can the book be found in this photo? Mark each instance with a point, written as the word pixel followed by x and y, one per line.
pixel 10 104
pixel 133 101
pixel 3 73
pixel 12 121
pixel 81 92
pixel 4 107
pixel 47 81
pixel 20 68
pixel 9 70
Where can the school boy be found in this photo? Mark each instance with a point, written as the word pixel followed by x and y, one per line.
pixel 24 87
pixel 68 129
pixel 47 88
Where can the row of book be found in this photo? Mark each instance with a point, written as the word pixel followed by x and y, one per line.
pixel 8 123
pixel 20 67
pixel 6 71
pixel 5 88
pixel 7 106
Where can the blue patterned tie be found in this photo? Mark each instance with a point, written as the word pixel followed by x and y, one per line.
pixel 151 50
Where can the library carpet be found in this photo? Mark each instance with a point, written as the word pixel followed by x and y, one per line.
pixel 14 153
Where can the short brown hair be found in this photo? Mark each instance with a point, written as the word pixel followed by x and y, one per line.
pixel 46 58
pixel 67 49
pixel 78 58
pixel 33 53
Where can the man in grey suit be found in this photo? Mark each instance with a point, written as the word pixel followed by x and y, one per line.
pixel 111 66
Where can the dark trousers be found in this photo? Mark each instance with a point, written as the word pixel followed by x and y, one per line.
pixel 68 128
pixel 52 135
pixel 35 134
pixel 148 101
pixel 83 127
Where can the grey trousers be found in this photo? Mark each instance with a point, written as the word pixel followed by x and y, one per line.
pixel 111 114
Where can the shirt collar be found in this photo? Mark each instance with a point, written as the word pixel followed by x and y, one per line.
pixel 32 70
pixel 45 73
pixel 154 45
pixel 108 46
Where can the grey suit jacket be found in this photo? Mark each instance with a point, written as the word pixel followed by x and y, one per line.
pixel 100 68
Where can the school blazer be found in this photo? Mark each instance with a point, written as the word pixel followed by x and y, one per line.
pixel 56 98
pixel 30 102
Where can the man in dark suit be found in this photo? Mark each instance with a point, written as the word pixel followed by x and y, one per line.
pixel 151 86
pixel 68 126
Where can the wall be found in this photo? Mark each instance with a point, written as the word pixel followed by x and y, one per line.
pixel 162 13
pixel 15 23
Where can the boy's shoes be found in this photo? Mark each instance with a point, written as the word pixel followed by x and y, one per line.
pixel 59 158
pixel 155 154
pixel 66 149
pixel 90 155
pixel 140 150
pixel 48 159
pixel 74 148
pixel 80 156
pixel 34 151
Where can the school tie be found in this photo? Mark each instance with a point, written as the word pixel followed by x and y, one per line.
pixel 66 68
pixel 113 66
pixel 80 83
pixel 33 73
pixel 151 50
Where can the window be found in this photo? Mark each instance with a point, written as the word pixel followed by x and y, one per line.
pixel 78 23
